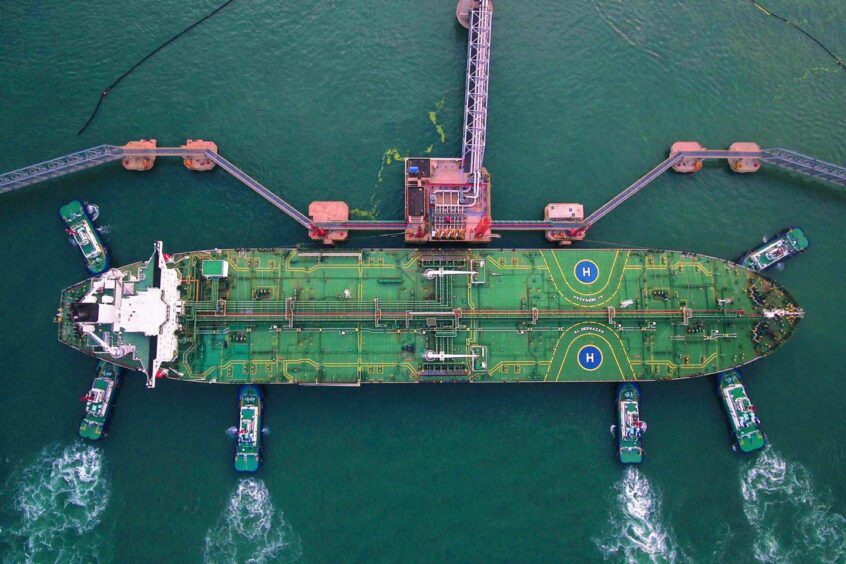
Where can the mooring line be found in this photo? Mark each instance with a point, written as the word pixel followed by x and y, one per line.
pixel 108 89
pixel 768 12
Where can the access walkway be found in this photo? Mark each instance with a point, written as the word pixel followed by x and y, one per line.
pixel 259 189
pixel 60 166
pixel 102 154
pixel 783 158
pixel 476 89
pixel 804 164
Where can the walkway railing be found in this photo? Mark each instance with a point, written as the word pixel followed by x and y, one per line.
pixel 102 154
pixel 60 166
pixel 374 225
pixel 638 185
pixel 476 89
pixel 804 164
pixel 530 225
pixel 259 189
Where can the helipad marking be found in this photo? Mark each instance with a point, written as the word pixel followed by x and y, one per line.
pixel 589 357
pixel 586 271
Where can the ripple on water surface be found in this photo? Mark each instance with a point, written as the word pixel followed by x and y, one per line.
pixel 251 530
pixel 636 531
pixel 58 500
pixel 790 520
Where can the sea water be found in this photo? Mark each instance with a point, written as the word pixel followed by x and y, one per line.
pixel 319 100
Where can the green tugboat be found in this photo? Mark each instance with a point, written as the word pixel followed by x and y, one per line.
pixel 248 446
pixel 630 427
pixel 80 226
pixel 782 246
pixel 99 400
pixel 745 426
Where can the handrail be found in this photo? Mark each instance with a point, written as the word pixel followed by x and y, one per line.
pixel 101 154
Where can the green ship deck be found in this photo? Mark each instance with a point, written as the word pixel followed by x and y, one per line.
pixel 346 318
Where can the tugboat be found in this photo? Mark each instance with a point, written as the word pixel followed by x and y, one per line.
pixel 248 445
pixel 783 245
pixel 630 427
pixel 99 400
pixel 745 426
pixel 80 226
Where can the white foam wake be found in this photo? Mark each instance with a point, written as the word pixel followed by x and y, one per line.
pixel 250 530
pixel 791 521
pixel 59 500
pixel 636 531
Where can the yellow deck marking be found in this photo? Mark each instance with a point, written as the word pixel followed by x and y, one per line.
pixel 236 267
pixel 498 366
pixel 360 345
pixel 494 261
pixel 673 365
pixel 592 304
pixel 566 353
pixel 683 264
pixel 588 294
pixel 356 266
pixel 408 366
pixel 696 265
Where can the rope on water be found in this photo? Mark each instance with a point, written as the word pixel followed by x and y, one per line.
pixel 109 88
pixel 837 59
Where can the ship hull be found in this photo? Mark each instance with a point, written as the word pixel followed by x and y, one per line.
pixel 276 316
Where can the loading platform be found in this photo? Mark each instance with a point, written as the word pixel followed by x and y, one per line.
pixel 446 199
pixel 103 154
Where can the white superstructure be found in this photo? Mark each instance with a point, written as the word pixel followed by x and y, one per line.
pixel 127 314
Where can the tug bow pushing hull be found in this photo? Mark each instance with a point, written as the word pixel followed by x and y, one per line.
pixel 401 316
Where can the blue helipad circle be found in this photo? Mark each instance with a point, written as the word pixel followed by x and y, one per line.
pixel 586 271
pixel 590 357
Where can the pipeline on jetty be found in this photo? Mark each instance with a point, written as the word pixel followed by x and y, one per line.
pixel 446 199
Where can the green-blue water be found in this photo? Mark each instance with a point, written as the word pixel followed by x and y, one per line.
pixel 309 98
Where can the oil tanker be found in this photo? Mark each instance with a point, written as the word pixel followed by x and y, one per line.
pixel 345 318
